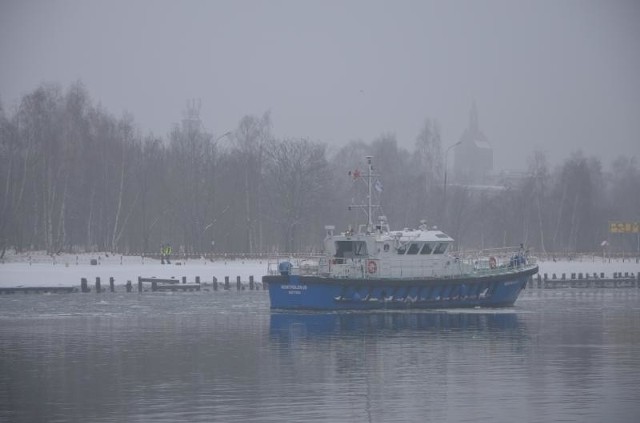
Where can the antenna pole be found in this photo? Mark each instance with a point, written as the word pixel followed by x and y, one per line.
pixel 369 176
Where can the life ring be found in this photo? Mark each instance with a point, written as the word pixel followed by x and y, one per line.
pixel 492 262
pixel 372 267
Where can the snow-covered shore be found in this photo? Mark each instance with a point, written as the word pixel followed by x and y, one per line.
pixel 39 269
pixel 590 265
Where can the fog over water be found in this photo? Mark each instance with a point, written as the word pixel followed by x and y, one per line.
pixel 545 75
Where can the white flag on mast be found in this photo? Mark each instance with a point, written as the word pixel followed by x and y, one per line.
pixel 378 185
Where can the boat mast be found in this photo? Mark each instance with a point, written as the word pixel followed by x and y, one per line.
pixel 369 206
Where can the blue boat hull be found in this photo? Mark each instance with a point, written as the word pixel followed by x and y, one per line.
pixel 295 292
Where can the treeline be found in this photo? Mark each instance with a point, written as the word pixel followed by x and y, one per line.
pixel 74 178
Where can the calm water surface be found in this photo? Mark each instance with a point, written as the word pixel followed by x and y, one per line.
pixel 562 355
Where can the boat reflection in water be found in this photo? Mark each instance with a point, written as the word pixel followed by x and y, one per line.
pixel 339 324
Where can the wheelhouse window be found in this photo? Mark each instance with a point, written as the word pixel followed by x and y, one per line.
pixel 349 249
pixel 426 248
pixel 441 248
pixel 414 248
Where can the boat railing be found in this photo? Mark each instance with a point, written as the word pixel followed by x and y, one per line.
pixel 491 252
pixel 478 263
pixel 457 268
pixel 496 260
pixel 307 265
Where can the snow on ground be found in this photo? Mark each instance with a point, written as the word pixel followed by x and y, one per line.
pixel 39 269
pixel 590 264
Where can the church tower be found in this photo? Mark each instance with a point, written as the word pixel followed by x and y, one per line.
pixel 473 158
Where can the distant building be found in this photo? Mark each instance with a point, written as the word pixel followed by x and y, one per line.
pixel 191 122
pixel 473 158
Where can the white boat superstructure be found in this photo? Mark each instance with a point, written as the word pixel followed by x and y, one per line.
pixel 409 253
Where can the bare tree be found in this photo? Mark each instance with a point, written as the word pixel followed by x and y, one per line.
pixel 297 174
pixel 251 136
pixel 125 204
pixel 538 182
pixel 429 151
pixel 577 192
pixel 9 166
pixel 190 157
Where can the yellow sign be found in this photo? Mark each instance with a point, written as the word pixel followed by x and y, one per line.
pixel 624 227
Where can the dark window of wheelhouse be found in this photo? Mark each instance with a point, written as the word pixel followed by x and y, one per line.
pixel 426 249
pixel 413 248
pixel 350 249
pixel 441 248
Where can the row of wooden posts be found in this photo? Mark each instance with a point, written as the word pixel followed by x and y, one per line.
pixel 575 280
pixel 586 280
pixel 172 284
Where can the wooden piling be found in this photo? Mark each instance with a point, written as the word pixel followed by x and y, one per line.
pixel 251 283
pixel 215 283
pixel 112 286
pixel 139 284
pixel 84 286
pixel 154 286
pixel 98 288
pixel 184 279
pixel 198 280
pixel 238 283
pixel 226 283
pixel 129 286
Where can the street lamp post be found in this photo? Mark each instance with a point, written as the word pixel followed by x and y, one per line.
pixel 446 155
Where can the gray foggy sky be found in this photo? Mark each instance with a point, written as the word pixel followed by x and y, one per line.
pixel 552 75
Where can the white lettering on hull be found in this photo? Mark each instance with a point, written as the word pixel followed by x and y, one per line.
pixel 294 289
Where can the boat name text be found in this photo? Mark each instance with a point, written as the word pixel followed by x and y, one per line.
pixel 293 287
